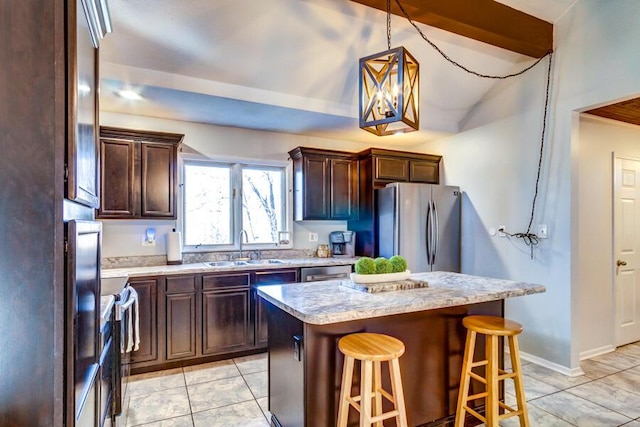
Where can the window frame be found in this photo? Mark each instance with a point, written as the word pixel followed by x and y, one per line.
pixel 236 165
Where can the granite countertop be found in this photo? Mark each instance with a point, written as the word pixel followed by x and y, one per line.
pixel 328 302
pixel 201 267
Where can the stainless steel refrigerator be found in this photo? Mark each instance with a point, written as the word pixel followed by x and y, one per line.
pixel 421 222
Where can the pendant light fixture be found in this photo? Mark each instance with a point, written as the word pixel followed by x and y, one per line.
pixel 389 84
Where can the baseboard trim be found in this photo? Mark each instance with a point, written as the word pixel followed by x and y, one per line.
pixel 575 372
pixel 597 352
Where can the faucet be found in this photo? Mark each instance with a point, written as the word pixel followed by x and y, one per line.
pixel 246 238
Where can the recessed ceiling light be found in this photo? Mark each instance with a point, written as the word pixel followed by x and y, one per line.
pixel 129 94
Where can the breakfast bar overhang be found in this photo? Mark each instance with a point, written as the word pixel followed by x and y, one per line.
pixel 306 320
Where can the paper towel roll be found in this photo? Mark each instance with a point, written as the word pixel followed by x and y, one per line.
pixel 174 248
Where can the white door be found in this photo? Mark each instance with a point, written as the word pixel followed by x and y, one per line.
pixel 626 237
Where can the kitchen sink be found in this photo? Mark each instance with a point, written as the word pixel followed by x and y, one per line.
pixel 265 261
pixel 247 262
pixel 225 263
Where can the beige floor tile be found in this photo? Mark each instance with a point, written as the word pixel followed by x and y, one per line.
pixel 533 388
pixel 210 372
pixel 578 411
pixel 553 378
pixel 183 421
pixel 252 364
pixel 215 394
pixel 595 370
pixel 258 383
pixel 157 406
pixel 630 350
pixel 155 381
pixel 626 380
pixel 246 414
pixel 618 360
pixel 610 397
pixel 263 402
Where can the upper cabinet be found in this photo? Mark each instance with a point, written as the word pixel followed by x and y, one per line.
pixel 87 22
pixel 399 166
pixel 378 168
pixel 138 174
pixel 325 184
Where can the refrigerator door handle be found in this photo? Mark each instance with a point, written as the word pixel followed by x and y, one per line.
pixel 428 232
pixel 436 226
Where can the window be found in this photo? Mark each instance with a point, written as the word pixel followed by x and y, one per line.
pixel 221 199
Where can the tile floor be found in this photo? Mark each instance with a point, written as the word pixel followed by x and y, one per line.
pixel 234 393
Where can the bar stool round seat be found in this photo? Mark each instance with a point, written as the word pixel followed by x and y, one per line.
pixel 371 349
pixel 492 327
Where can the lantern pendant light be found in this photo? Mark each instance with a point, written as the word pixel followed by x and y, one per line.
pixel 389 85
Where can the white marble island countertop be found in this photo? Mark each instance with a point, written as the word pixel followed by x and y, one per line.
pixel 328 302
pixel 204 267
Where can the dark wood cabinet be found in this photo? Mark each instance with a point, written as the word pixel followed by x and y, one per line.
pixel 147 290
pixel 325 184
pixel 378 168
pixel 195 318
pixel 225 313
pixel 138 174
pixel 181 317
pixel 259 310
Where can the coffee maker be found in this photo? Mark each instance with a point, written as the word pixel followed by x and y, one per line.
pixel 342 244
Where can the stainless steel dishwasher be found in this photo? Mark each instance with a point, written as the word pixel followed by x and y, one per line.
pixel 329 272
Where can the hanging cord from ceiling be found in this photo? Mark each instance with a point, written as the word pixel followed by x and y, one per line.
pixel 530 239
pixel 447 57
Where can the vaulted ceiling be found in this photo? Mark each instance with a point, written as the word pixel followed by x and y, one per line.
pixel 291 65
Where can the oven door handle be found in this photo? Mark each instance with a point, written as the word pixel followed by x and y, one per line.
pixel 315 277
pixel 124 307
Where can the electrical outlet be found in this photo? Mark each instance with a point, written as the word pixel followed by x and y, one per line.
pixel 146 242
pixel 501 230
pixel 542 231
pixel 313 237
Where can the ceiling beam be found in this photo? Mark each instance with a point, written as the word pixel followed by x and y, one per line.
pixel 484 20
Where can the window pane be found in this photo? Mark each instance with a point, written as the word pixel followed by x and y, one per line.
pixel 262 203
pixel 207 204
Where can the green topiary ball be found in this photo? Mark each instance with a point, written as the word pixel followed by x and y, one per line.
pixel 383 265
pixel 399 263
pixel 365 265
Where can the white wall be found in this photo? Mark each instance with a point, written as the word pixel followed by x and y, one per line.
pixel 599 138
pixel 493 160
pixel 123 238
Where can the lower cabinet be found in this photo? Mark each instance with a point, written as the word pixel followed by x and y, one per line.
pixel 184 318
pixel 180 305
pixel 147 289
pixel 225 313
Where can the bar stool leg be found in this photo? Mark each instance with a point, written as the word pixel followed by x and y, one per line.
pixel 365 393
pixel 398 393
pixel 345 391
pixel 491 402
pixel 465 378
pixel 516 367
pixel 377 385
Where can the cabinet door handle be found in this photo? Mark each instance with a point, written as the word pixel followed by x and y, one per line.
pixel 621 263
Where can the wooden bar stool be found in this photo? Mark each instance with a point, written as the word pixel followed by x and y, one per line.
pixel 371 350
pixel 492 327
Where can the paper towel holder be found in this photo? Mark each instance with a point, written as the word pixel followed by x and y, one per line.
pixel 174 248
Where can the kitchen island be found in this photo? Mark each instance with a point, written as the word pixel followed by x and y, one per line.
pixel 306 320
